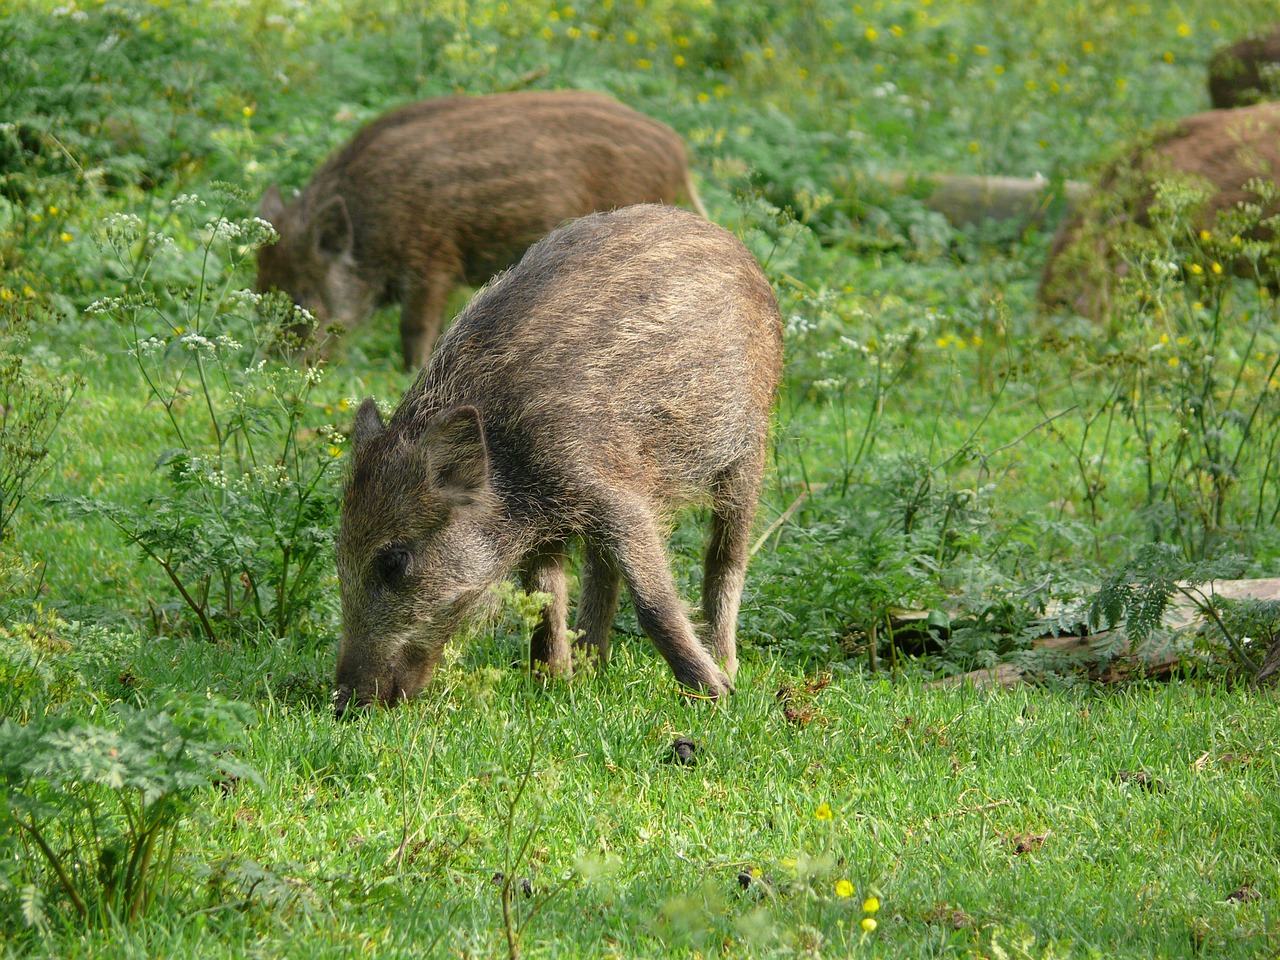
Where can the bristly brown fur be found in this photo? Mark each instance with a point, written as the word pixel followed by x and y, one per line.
pixel 451 191
pixel 625 367
pixel 1219 149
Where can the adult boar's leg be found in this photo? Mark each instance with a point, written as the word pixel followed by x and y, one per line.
pixel 549 645
pixel 421 317
pixel 598 601
pixel 724 567
pixel 632 534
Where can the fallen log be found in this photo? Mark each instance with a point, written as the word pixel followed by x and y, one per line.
pixel 968 200
pixel 1118 661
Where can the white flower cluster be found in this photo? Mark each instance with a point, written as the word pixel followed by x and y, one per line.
pixel 244 301
pixel 854 345
pixel 798 325
pixel 224 229
pixel 196 342
pixel 186 200
pixel 257 232
pixel 144 348
pixel 122 229
pixel 105 305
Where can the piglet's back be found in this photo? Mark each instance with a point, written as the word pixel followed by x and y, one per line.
pixel 640 347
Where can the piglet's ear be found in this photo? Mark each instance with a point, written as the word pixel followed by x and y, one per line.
pixel 331 231
pixel 272 207
pixel 457 458
pixel 368 424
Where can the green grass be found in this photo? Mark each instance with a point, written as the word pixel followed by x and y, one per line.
pixel 960 453
pixel 388 831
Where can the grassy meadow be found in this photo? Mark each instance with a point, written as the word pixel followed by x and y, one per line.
pixel 172 780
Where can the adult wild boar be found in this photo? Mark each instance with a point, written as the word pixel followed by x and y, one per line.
pixel 625 367
pixel 452 190
pixel 1219 151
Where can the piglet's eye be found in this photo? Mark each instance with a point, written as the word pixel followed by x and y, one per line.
pixel 391 564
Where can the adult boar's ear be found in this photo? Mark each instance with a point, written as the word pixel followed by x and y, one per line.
pixel 271 209
pixel 330 229
pixel 457 459
pixel 368 424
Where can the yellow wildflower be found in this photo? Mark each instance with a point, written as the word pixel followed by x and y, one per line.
pixel 868 924
pixel 871 33
pixel 823 812
pixel 981 49
pixel 1197 269
pixel 844 889
pixel 1216 267
pixel 1184 30
pixel 870 905
pixel 65 237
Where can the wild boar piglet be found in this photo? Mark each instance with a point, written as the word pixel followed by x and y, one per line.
pixel 452 190
pixel 624 368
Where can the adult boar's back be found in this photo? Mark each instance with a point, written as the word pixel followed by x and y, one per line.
pixel 625 367
pixel 453 190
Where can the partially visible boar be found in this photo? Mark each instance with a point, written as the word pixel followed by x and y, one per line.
pixel 625 367
pixel 450 191
pixel 1220 150
pixel 1247 72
